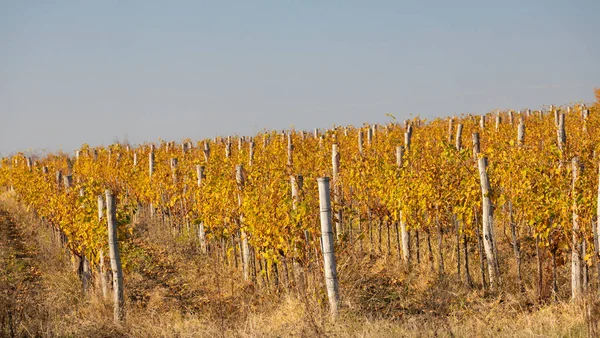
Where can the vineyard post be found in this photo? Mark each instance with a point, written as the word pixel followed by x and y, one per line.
pixel 498 120
pixel 521 133
pixel 337 189
pixel 101 270
pixel 399 156
pixel 331 279
pixel 561 134
pixel 206 151
pixel 201 230
pixel 403 231
pixel 360 141
pixel 228 147
pixel 458 140
pixel 174 169
pixel 250 152
pixel 290 150
pixel 487 221
pixel 115 259
pixel 475 146
pixel 513 229
pixel 84 263
pixel 150 172
pixel 239 177
pixel 576 285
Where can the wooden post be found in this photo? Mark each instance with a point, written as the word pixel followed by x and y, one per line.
pixel 241 180
pixel 561 134
pixel 458 141
pixel 331 280
pixel 250 152
pixel 290 150
pixel 101 271
pixel 405 240
pixel 475 146
pixel 337 189
pixel 488 217
pixel 369 136
pixel 115 259
pixel 399 155
pixel 521 133
pixel 407 138
pixel 482 122
pixel 228 147
pixel 174 169
pixel 206 151
pixel 576 256
pixel 360 142
pixel 150 163
pixel 498 121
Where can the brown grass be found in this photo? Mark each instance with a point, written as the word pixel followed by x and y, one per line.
pixel 174 291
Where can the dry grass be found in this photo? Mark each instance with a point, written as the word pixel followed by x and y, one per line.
pixel 174 291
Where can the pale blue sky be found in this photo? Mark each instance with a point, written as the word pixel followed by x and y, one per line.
pixel 74 72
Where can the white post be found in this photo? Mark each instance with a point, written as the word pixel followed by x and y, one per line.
pixel 290 150
pixel 115 259
pixel 337 191
pixel 576 256
pixel 206 151
pixel 475 146
pixel 103 281
pixel 251 152
pixel 521 133
pixel 561 134
pixel 360 141
pixel 331 280
pixel 458 141
pixel 201 231
pixel 239 177
pixel 488 217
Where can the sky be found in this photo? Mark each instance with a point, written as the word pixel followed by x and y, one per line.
pixel 96 72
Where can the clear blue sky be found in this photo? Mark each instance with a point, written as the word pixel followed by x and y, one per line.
pixel 74 72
